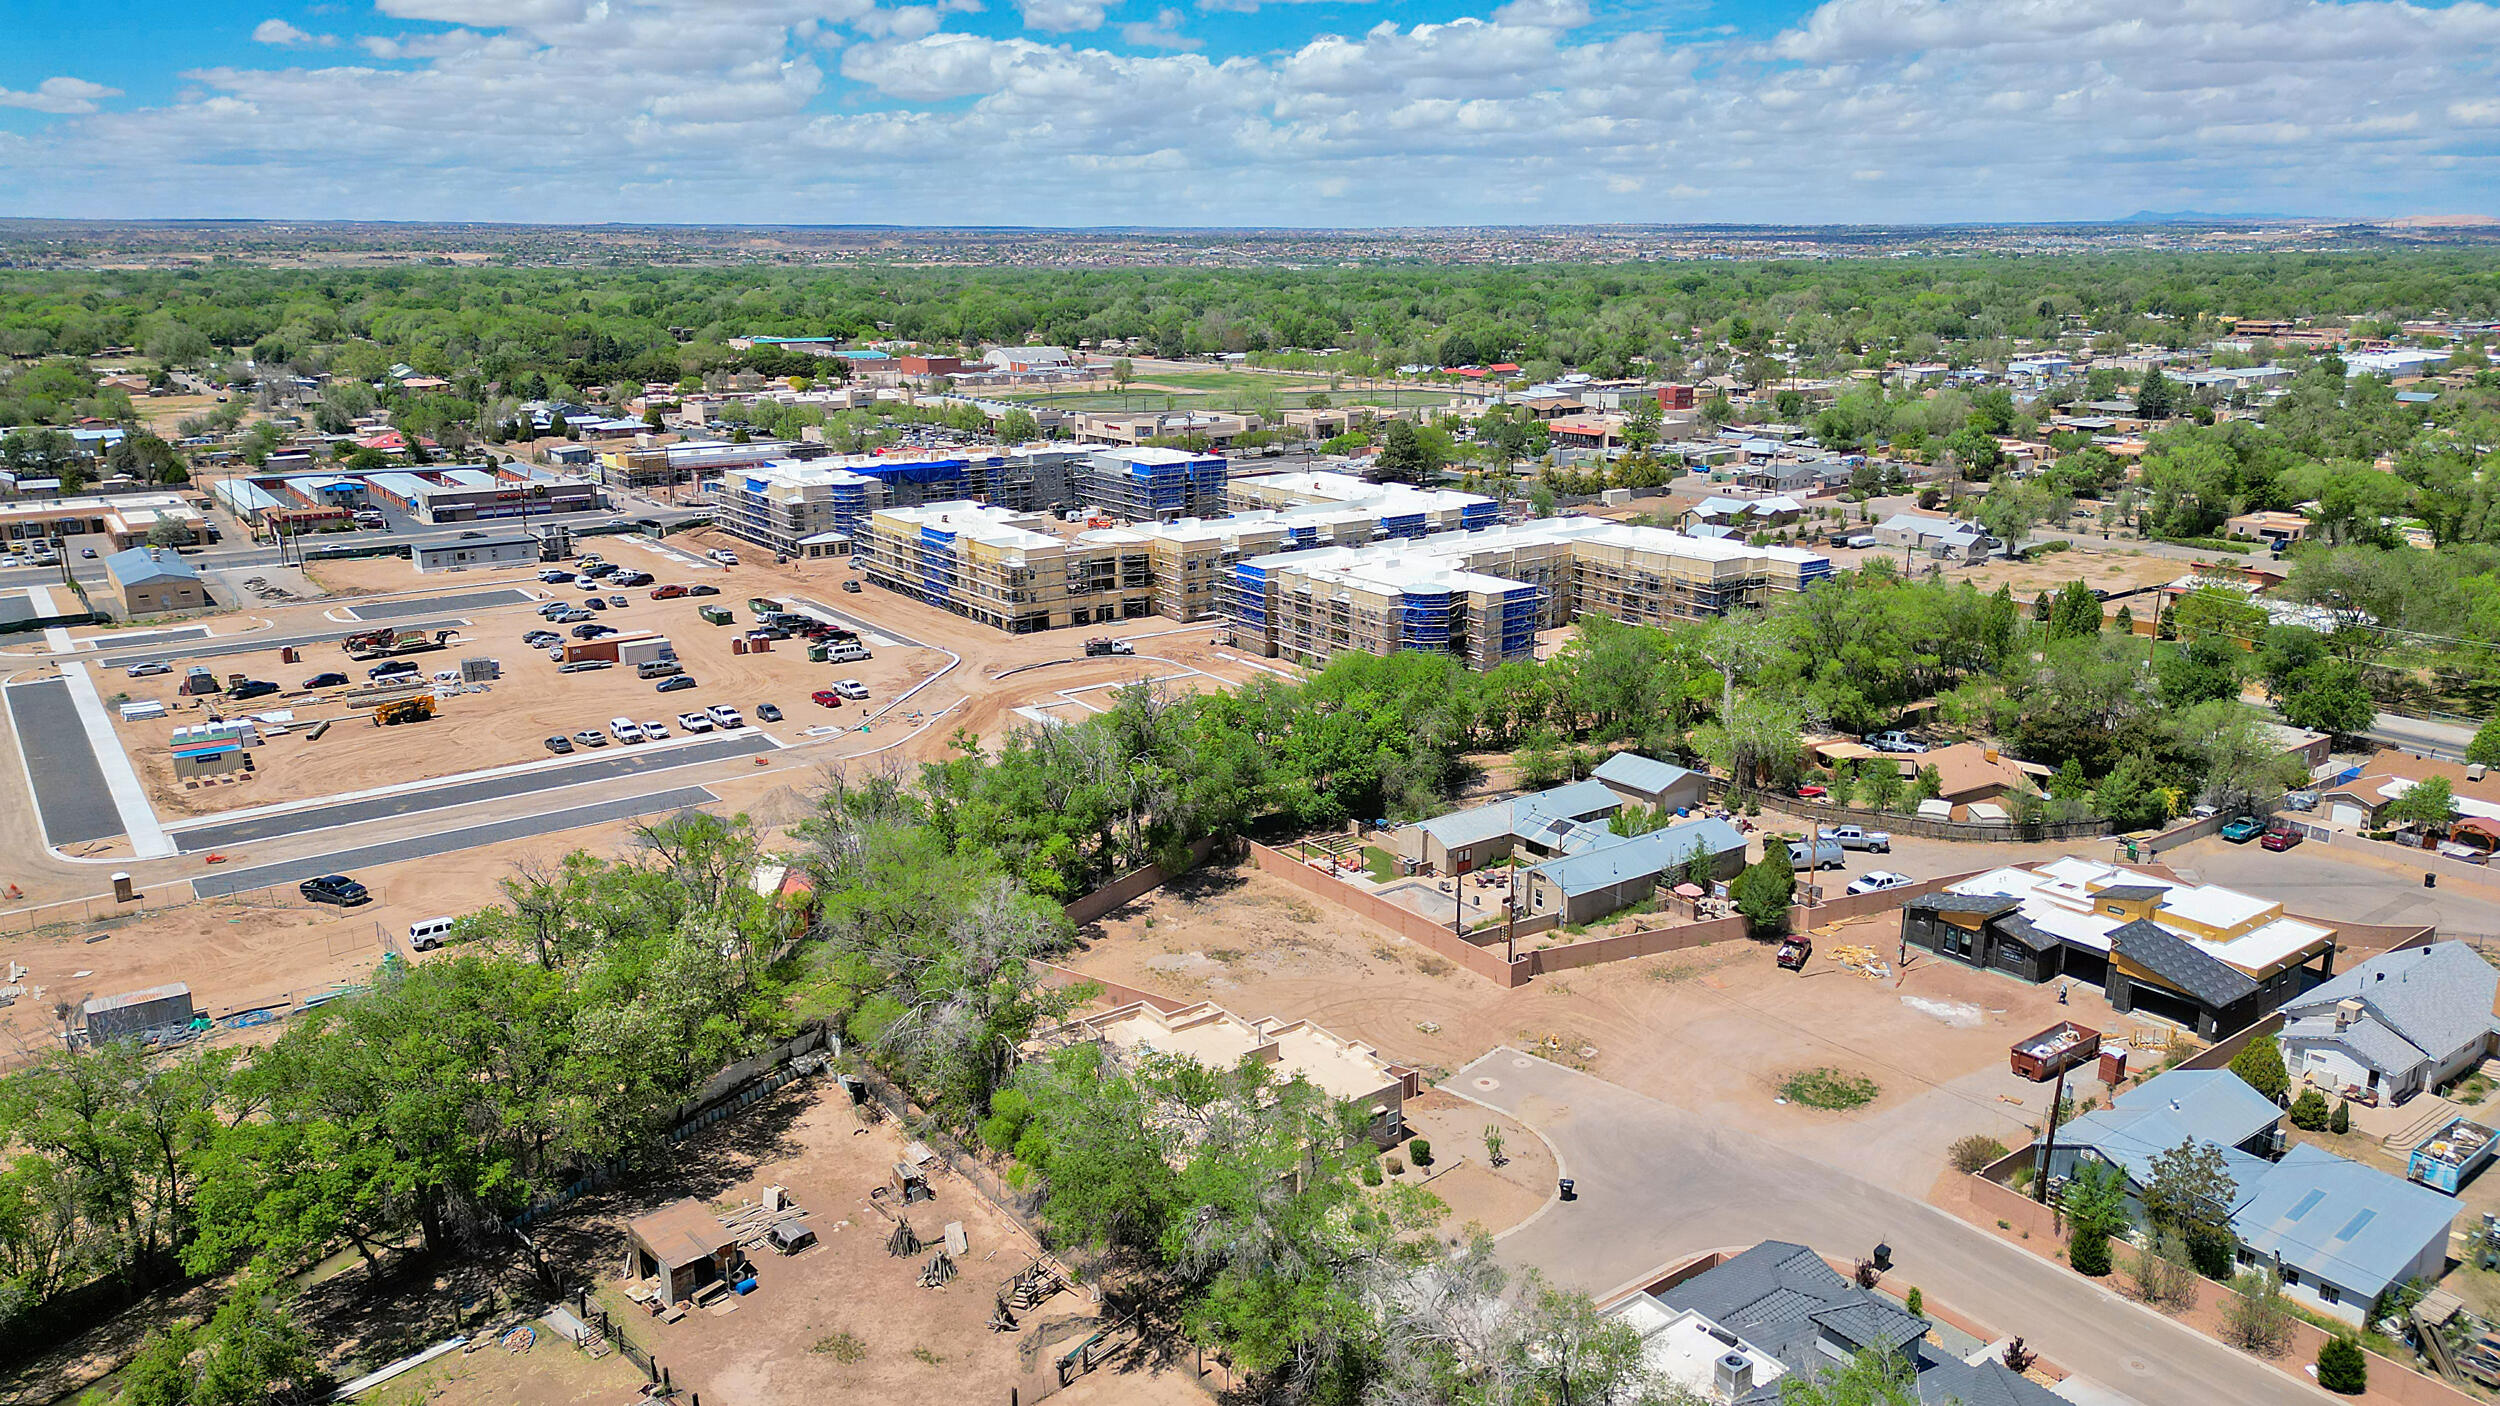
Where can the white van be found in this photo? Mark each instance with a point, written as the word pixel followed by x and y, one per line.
pixel 625 729
pixel 427 934
pixel 847 652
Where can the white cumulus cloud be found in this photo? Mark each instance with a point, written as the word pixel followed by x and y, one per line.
pixel 62 95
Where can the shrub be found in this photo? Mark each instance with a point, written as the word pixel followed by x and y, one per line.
pixel 1396 1167
pixel 2342 1121
pixel 1829 1088
pixel 843 1346
pixel 2341 1367
pixel 1371 1172
pixel 2309 1111
pixel 1976 1151
pixel 1916 1303
pixel 1419 1151
pixel 2260 1065
pixel 2089 1253
pixel 2254 1315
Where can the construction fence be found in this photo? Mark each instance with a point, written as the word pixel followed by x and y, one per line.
pixel 100 913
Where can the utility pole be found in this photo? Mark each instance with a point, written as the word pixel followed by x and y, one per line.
pixel 2048 1145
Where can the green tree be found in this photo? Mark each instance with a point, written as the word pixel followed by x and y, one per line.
pixel 2342 1368
pixel 2309 1111
pixel 2095 1198
pixel 1018 426
pixel 2329 697
pixel 2087 1252
pixel 2155 397
pixel 2204 667
pixel 1869 1378
pixel 2430 803
pixel 2485 748
pixel 2190 1193
pixel 2260 1066
pixel 1407 455
pixel 2341 1123
pixel 2075 612
pixel 1763 891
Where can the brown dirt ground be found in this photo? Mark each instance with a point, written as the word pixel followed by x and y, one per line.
pixel 1478 1193
pixel 1715 1028
pixel 917 1341
pixel 549 1373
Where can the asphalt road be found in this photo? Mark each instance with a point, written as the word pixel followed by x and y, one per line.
pixel 348 861
pixel 248 643
pixel 69 785
pixel 1656 1183
pixel 2443 740
pixel 622 762
pixel 473 600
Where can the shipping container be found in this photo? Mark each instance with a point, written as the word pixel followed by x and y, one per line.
pixel 135 1013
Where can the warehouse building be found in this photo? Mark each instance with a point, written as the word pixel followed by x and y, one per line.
pixel 472 494
pixel 1005 568
pixel 1482 596
pixel 152 581
pixel 476 550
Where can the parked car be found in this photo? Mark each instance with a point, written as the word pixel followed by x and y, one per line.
pixel 153 666
pixel 559 745
pixel 619 602
pixel 334 888
pixel 2281 840
pixel 825 698
pixel 667 592
pixel 605 568
pixel 252 688
pixel 1878 880
pixel 585 583
pixel 591 737
pixel 850 688
pixel 767 713
pixel 330 680
pixel 1858 837
pixel 625 730
pixel 1816 854
pixel 2244 829
pixel 87 552
pixel 694 722
pixel 540 639
pixel 1901 742
pixel 555 575
pixel 571 614
pixel 394 669
pixel 426 934
pixel 588 632
pixel 671 685
pixel 655 731
pixel 723 555
pixel 703 590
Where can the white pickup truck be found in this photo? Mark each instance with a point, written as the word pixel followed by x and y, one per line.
pixel 1857 837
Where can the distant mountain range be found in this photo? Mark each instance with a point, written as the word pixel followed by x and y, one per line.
pixel 2199 217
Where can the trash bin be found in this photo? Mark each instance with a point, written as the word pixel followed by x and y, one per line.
pixel 816 653
pixel 1564 1184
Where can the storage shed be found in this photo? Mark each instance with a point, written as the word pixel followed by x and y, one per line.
pixel 682 1247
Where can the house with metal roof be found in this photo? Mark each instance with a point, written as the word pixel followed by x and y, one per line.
pixel 2341 1233
pixel 1604 873
pixel 152 581
pixel 1647 781
pixel 2399 1023
pixel 1738 1332
pixel 1542 822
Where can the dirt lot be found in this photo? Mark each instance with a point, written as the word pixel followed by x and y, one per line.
pixel 842 1320
pixel 1479 1194
pixel 509 724
pixel 1716 1028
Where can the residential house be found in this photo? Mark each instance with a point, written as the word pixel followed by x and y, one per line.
pixel 1472 839
pixel 1600 872
pixel 1973 777
pixel 2340 1233
pixel 2400 1023
pixel 1736 1333
pixel 2212 959
pixel 1647 781
pixel 1349 1072
pixel 2281 529
pixel 1936 536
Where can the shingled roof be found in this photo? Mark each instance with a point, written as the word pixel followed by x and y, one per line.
pixel 2179 964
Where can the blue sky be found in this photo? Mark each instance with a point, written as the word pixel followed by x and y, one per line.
pixel 1229 112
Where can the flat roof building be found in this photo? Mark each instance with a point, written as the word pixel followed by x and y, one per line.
pixel 1001 567
pixel 126 519
pixel 2210 958
pixel 1149 484
pixel 1481 596
pixel 798 508
pixel 1215 1037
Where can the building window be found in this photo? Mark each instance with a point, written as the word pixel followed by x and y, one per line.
pixel 2327 1294
pixel 2290 1275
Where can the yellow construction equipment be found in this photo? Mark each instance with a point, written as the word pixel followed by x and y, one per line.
pixel 404 710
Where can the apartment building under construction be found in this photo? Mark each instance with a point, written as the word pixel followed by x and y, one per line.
pixel 1005 568
pixel 1194 557
pixel 1482 596
pixel 820 507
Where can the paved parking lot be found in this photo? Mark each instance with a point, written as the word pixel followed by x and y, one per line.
pixel 473 600
pixel 173 650
pixel 2350 879
pixel 69 785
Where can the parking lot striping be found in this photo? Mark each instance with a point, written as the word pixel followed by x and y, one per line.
pixel 290 871
pixel 653 545
pixel 71 799
pixel 121 779
pixel 502 783
pixel 381 611
pixel 97 644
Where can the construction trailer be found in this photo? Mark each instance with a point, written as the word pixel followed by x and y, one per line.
pixel 632 647
pixel 135 1014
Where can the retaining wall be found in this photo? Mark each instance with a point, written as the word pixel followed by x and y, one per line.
pixel 1135 884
